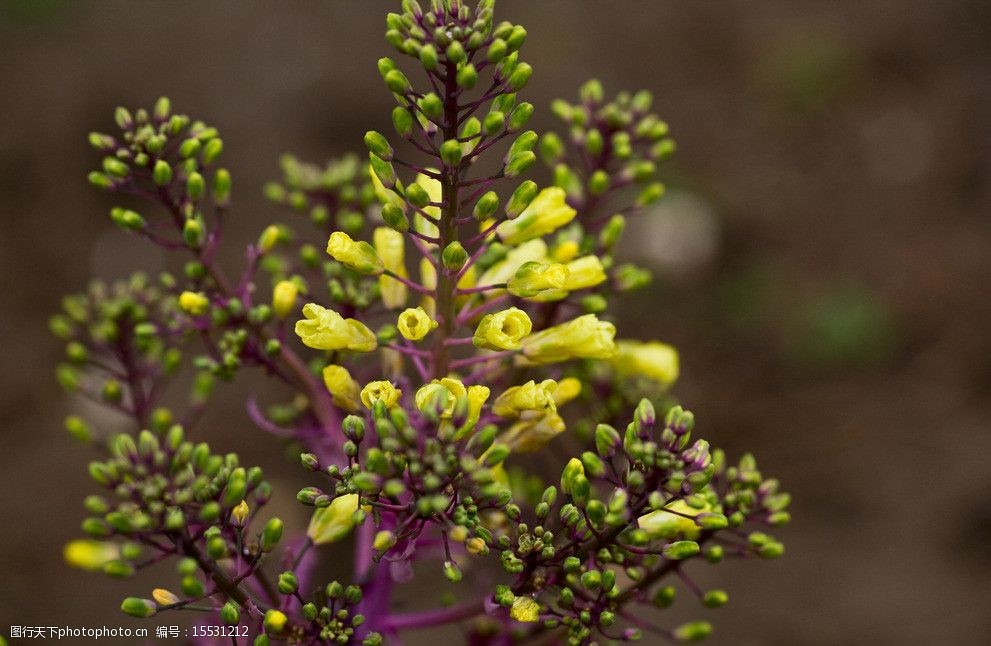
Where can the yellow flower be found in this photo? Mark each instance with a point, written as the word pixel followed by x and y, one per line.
pixel 547 212
pixel 325 329
pixel 359 256
pixel 435 191
pixel 583 273
pixel 164 597
pixel 269 238
pixel 565 251
pixel 390 246
pixel 453 388
pixel 380 390
pixel 88 554
pixel 332 523
pixel 655 360
pixel 664 524
pixel 414 324
pixel 566 390
pixel 529 397
pixel 275 621
pixel 528 435
pixel 284 297
pixel 584 337
pixel 240 513
pixel 343 389
pixel 532 278
pixel 502 271
pixel 194 303
pixel 502 330
pixel 477 396
pixel 525 609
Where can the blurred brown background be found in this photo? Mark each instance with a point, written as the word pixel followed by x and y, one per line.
pixel 823 263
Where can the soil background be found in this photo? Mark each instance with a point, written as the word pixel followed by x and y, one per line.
pixel 823 263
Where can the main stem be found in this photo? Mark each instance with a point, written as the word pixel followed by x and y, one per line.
pixel 447 281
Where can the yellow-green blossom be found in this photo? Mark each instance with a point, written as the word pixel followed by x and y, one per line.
pixel 194 303
pixel 358 255
pixel 584 337
pixel 390 246
pixel 414 324
pixel 566 390
pixel 565 251
pixel 583 273
pixel 90 555
pixel 275 621
pixel 164 597
pixel 502 271
pixel 533 278
pixel 525 609
pixel 655 360
pixel 477 396
pixel 530 397
pixel 344 390
pixel 502 330
pixel 325 329
pixel 380 390
pixel 665 524
pixel 284 296
pixel 528 435
pixel 455 390
pixel 547 212
pixel 332 523
pixel 435 191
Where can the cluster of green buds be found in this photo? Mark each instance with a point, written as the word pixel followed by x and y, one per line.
pixel 443 317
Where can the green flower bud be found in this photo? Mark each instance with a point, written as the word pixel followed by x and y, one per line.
pixel 190 148
pixel 99 180
pixel 497 50
pixel 680 550
pixel 395 217
pixel 397 82
pixel 193 233
pixel 519 164
pixel 454 256
pixel 572 470
pixel 664 597
pixel 520 76
pixel 195 186
pixel 494 122
pixel 118 569
pixel 221 186
pixel 230 614
pixel 486 206
pixel 271 534
pixel 591 580
pixel 450 152
pixel 467 77
pixel 288 583
pixel 693 631
pixel 402 121
pixel 123 118
pixel 212 150
pixel 101 142
pixel 515 38
pixel 115 167
pixel 452 571
pixel 383 170
pixel 521 198
pixel 650 194
pixel 162 173
pixel 715 598
pixel 136 607
pixel 520 116
pixel 378 145
pixel 591 91
pixel 598 183
pixel 594 142
pixel 431 105
pixel 456 52
pixel 428 57
pixel 417 195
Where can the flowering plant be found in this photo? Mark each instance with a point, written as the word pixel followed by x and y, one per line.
pixel 443 334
